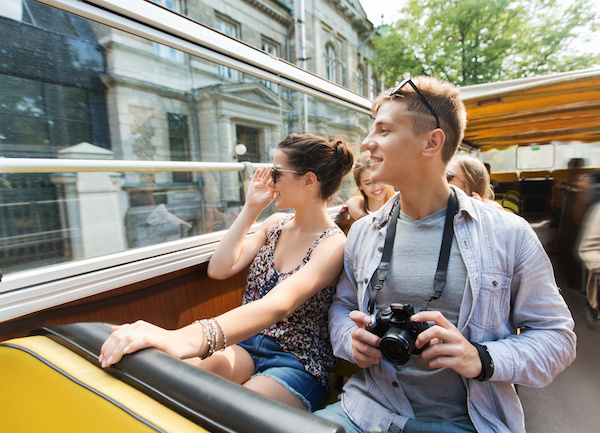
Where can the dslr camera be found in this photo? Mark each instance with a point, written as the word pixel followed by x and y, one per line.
pixel 397 332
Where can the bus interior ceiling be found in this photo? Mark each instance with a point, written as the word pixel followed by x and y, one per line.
pixel 558 111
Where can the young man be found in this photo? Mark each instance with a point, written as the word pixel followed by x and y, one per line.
pixel 498 280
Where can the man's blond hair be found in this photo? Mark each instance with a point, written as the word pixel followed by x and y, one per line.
pixel 445 100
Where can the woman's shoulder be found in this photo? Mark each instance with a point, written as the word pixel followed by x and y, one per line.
pixel 331 238
pixel 357 199
pixel 356 206
pixel 276 219
pixel 272 222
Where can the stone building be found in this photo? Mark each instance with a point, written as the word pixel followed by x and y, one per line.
pixel 77 81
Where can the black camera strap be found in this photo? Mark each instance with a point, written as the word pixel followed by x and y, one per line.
pixel 442 267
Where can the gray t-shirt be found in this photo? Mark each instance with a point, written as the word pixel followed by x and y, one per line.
pixel 434 394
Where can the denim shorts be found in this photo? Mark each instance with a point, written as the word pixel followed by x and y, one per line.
pixel 271 361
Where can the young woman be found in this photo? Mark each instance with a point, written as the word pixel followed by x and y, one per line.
pixel 471 175
pixel 277 342
pixel 369 196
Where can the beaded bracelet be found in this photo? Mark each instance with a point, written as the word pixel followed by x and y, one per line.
pixel 210 337
pixel 212 340
pixel 222 333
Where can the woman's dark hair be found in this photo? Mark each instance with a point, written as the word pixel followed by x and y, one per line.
pixel 329 161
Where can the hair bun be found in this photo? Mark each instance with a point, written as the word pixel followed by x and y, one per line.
pixel 344 153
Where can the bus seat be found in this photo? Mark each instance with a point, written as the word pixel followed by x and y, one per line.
pixel 504 177
pixel 513 195
pixel 511 206
pixel 539 174
pixel 342 219
pixel 52 381
pixel 339 376
pixel 561 174
pixel 48 388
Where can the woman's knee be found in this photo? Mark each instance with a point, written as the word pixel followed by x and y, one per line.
pixel 271 388
pixel 234 363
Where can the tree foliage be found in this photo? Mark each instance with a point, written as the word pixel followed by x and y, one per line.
pixel 479 41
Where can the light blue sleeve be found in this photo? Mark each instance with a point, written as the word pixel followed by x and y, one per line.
pixel 546 344
pixel 344 301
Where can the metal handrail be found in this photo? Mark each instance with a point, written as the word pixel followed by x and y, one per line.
pixel 41 165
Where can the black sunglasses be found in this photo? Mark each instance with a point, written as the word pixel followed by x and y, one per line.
pixel 450 176
pixel 275 172
pixel 400 85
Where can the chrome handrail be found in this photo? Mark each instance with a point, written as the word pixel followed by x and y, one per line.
pixel 41 165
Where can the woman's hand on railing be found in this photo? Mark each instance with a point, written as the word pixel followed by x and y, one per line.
pixel 128 338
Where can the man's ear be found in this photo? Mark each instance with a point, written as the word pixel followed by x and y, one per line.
pixel 435 142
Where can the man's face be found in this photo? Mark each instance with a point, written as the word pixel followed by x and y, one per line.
pixel 395 150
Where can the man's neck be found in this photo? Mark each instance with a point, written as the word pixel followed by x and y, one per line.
pixel 425 199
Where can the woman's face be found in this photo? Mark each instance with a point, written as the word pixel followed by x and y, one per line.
pixel 287 184
pixel 455 175
pixel 373 190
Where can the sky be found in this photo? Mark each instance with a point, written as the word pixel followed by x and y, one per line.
pixel 389 8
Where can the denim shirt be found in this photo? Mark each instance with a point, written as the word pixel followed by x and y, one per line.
pixel 510 285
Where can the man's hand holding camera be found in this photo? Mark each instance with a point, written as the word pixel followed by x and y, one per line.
pixel 447 346
pixel 365 345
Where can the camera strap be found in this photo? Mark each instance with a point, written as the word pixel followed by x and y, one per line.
pixel 442 267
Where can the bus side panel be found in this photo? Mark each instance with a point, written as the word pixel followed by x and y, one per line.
pixel 171 301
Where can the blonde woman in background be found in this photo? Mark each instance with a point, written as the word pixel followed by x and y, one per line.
pixel 471 175
pixel 369 196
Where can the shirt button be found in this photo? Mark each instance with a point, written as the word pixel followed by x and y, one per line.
pixel 366 280
pixel 395 384
pixel 380 249
pixel 495 283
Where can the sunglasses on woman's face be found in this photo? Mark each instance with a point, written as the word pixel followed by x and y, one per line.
pixel 275 173
pixel 450 176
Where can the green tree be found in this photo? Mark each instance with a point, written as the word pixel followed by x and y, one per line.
pixel 479 41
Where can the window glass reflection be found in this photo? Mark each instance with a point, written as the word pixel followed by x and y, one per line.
pixel 104 94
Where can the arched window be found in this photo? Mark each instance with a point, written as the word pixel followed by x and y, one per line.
pixel 360 81
pixel 375 86
pixel 330 63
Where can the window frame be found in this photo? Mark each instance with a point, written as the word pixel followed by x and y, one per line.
pixel 227 22
pixel 29 291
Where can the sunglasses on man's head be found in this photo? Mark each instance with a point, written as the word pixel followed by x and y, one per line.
pixel 275 173
pixel 400 85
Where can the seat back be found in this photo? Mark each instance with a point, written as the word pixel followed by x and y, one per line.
pixel 52 381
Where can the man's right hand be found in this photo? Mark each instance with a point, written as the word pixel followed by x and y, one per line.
pixel 365 345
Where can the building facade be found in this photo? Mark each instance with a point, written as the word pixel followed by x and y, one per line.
pixel 67 80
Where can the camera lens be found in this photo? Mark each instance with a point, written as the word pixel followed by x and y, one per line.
pixel 396 345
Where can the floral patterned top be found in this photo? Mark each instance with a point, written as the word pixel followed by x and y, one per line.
pixel 303 333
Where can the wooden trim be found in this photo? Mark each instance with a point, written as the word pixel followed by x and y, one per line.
pixel 171 301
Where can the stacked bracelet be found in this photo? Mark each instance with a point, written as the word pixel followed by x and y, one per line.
pixel 222 334
pixel 487 364
pixel 212 339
